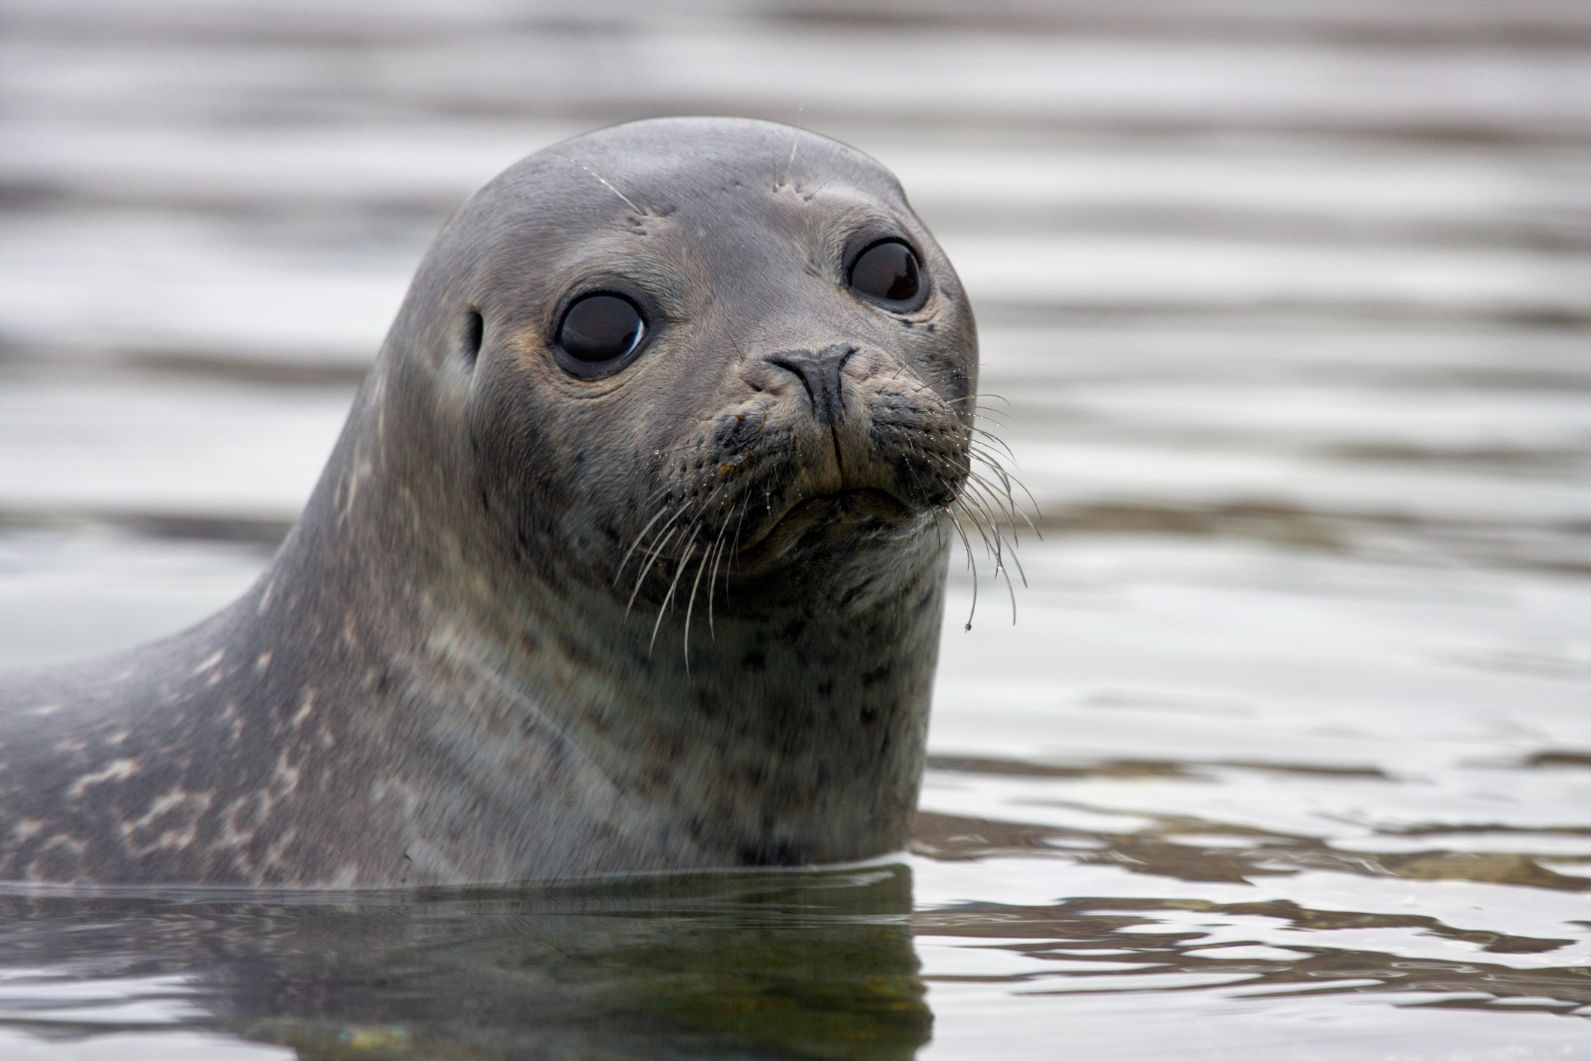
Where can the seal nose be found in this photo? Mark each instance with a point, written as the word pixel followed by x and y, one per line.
pixel 819 372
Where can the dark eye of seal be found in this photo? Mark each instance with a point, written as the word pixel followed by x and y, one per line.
pixel 888 273
pixel 599 333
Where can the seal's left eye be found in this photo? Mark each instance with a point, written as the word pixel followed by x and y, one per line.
pixel 598 332
pixel 888 273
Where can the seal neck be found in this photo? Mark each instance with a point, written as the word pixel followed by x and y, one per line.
pixel 796 737
pixel 548 716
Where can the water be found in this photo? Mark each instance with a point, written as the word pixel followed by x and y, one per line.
pixel 1289 753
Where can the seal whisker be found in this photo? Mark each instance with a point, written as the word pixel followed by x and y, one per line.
pixel 924 385
pixel 991 460
pixel 1001 498
pixel 712 577
pixel 1006 560
pixel 681 510
pixel 971 564
pixel 718 552
pixel 939 528
pixel 975 502
pixel 603 181
pixel 640 579
pixel 986 529
pixel 636 544
pixel 998 496
pixel 1015 509
pixel 1008 477
pixel 1012 552
pixel 991 436
pixel 979 396
pixel 740 522
pixel 690 605
pixel 979 518
pixel 789 163
pixel 668 599
pixel 965 398
pixel 977 494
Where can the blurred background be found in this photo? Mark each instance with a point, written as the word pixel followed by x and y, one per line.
pixel 1289 309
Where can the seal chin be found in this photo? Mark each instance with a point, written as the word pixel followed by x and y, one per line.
pixel 840 517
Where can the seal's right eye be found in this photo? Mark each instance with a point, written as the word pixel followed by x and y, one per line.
pixel 598 334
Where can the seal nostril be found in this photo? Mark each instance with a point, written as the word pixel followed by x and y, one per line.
pixel 474 332
pixel 819 373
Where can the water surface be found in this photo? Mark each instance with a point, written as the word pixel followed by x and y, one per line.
pixel 1289 313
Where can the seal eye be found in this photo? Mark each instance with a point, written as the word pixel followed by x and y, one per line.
pixel 598 331
pixel 888 273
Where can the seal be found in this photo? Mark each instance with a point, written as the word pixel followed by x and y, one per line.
pixel 631 556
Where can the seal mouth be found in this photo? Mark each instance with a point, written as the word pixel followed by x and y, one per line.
pixel 846 509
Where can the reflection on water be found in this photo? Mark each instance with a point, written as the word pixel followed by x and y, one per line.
pixel 671 967
pixel 713 966
pixel 832 964
pixel 1289 754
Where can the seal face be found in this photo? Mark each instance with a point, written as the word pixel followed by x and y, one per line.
pixel 630 556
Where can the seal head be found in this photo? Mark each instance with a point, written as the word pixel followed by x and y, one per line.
pixel 630 557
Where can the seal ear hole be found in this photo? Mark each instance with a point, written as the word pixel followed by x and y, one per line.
pixel 474 332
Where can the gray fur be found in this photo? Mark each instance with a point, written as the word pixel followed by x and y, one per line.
pixel 442 677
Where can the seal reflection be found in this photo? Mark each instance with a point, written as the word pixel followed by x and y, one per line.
pixel 812 964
